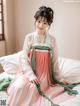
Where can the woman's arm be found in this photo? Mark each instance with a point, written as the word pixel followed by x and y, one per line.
pixel 56 65
pixel 55 60
pixel 25 62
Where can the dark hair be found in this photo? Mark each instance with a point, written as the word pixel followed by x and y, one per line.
pixel 45 12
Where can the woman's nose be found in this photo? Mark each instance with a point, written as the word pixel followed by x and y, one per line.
pixel 41 25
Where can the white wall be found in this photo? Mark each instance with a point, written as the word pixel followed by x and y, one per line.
pixel 65 27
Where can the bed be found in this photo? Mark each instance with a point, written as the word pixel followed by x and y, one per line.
pixel 69 70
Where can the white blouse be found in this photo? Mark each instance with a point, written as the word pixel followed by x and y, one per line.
pixel 32 39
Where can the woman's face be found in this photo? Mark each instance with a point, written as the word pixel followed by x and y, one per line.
pixel 41 25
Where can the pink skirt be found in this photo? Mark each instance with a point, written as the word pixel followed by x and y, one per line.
pixel 22 92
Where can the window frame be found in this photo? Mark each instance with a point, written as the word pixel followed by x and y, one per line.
pixel 2 37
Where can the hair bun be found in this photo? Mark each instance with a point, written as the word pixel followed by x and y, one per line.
pixel 50 10
pixel 43 8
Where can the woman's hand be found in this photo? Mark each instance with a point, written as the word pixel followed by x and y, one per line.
pixel 32 78
pixel 64 81
pixel 35 80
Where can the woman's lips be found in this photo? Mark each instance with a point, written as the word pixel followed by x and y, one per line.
pixel 40 28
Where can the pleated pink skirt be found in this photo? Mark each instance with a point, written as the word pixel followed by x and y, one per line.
pixel 22 92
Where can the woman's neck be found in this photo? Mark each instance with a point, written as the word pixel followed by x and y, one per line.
pixel 41 36
pixel 41 33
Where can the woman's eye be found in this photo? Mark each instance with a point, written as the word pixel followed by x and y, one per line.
pixel 39 21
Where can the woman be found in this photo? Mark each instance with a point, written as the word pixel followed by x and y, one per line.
pixel 38 67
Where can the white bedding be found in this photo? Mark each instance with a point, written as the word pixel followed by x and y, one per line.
pixel 69 69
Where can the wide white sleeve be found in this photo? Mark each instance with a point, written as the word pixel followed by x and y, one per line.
pixel 25 62
pixel 55 60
